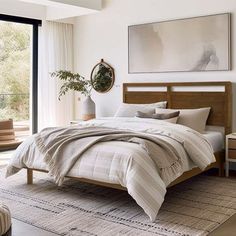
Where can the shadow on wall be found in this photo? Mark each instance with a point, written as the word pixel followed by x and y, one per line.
pixel 106 3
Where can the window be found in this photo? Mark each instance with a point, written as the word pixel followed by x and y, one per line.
pixel 19 69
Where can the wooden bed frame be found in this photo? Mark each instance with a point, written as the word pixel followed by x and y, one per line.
pixel 217 95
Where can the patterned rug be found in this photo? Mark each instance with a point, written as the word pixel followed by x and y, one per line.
pixel 5 156
pixel 194 208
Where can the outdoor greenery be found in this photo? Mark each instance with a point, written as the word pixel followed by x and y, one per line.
pixel 72 81
pixel 15 56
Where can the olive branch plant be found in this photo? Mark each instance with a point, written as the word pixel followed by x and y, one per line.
pixel 72 81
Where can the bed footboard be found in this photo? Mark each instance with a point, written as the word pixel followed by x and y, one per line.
pixel 219 164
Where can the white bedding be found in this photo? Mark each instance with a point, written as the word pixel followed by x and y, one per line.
pixel 216 139
pixel 125 163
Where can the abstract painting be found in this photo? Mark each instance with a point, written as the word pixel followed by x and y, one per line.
pixel 192 44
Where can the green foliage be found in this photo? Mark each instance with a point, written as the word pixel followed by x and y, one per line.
pixel 102 79
pixel 15 65
pixel 72 81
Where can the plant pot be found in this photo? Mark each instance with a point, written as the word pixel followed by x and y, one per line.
pixel 88 109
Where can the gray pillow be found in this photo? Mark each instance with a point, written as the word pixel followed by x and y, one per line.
pixel 141 114
pixel 159 116
pixel 164 116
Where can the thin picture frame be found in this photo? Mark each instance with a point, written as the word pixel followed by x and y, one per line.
pixel 133 53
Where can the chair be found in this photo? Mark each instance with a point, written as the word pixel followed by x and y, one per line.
pixel 7 136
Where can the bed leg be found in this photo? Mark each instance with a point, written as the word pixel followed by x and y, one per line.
pixel 221 169
pixel 29 176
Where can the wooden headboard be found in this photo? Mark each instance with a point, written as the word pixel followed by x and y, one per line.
pixel 217 95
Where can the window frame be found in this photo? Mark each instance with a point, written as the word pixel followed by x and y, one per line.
pixel 35 45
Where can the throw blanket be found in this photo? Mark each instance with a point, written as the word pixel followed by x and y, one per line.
pixel 57 146
pixel 142 155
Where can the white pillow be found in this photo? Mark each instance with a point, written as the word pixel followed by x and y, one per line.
pixel 172 120
pixel 129 110
pixel 193 118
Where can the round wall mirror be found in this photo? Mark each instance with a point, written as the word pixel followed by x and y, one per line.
pixel 102 77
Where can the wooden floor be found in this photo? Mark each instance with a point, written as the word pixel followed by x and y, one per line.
pixel 226 229
pixel 20 228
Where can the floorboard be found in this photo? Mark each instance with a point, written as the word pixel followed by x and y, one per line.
pixel 226 229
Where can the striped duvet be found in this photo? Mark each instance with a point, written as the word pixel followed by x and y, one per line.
pixel 143 168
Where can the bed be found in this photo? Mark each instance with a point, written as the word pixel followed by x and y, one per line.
pixel 189 95
pixel 178 96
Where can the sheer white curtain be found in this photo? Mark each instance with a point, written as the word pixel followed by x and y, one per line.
pixel 55 53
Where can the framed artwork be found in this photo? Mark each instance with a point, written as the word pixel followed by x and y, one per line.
pixel 192 44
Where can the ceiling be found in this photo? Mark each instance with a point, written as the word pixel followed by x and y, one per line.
pixel 61 9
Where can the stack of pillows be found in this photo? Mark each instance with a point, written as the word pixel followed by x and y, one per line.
pixel 193 118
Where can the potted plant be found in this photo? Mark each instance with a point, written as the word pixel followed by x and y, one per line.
pixel 76 82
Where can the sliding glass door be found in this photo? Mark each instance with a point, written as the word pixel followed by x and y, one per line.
pixel 19 72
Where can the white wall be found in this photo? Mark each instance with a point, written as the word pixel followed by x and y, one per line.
pixel 105 35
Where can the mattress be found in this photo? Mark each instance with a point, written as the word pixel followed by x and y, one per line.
pixel 216 139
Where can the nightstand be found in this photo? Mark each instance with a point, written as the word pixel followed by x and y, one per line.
pixel 230 151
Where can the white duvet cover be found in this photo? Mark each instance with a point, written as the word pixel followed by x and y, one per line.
pixel 126 163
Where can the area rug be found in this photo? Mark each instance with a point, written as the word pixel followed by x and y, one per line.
pixel 194 208
pixel 5 156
